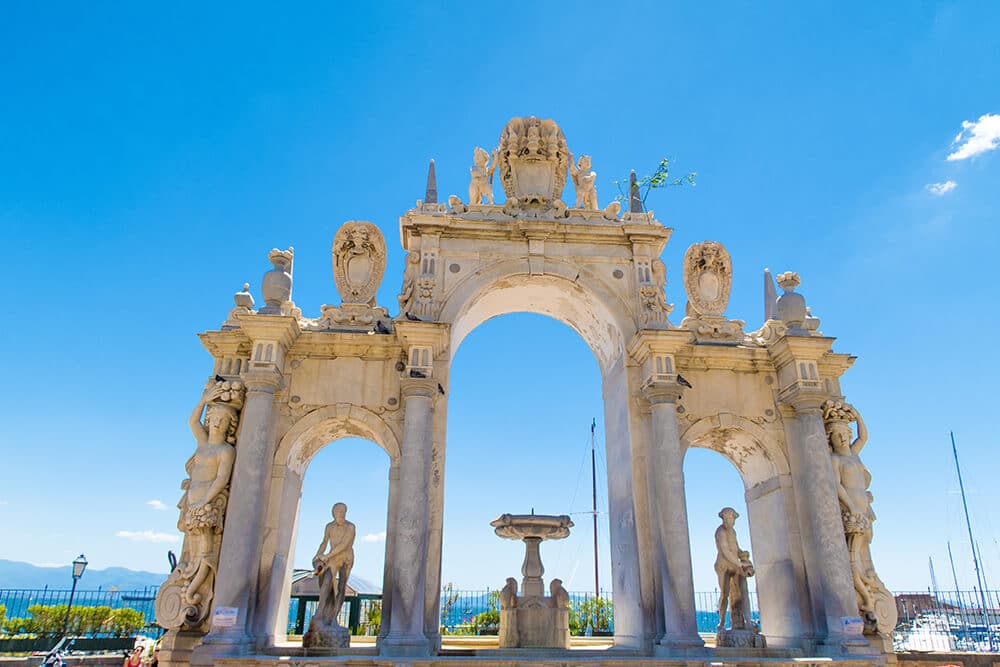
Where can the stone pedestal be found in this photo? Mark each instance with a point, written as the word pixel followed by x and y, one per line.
pixel 532 584
pixel 325 636
pixel 534 622
pixel 740 638
pixel 176 648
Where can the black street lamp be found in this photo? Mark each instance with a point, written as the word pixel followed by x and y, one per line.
pixel 79 565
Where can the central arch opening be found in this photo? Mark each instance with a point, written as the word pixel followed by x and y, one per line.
pixel 519 440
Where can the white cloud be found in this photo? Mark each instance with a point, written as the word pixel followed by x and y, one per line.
pixel 147 536
pixel 980 136
pixel 374 537
pixel 941 188
pixel 157 505
pixel 3 502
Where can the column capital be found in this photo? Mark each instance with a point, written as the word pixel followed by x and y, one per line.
pixel 804 401
pixel 418 387
pixel 262 378
pixel 658 391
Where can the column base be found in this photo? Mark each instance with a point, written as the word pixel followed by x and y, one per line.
pixel 176 648
pixel 406 646
pixel 683 646
pixel 218 645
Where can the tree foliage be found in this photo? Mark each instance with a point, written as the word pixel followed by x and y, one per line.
pixel 660 178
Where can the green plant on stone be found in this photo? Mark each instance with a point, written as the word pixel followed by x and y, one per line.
pixel 595 613
pixel 373 617
pixel 449 596
pixel 489 619
pixel 660 178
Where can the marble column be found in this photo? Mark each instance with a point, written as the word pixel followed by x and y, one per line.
pixel 813 479
pixel 390 546
pixel 239 557
pixel 668 509
pixel 409 556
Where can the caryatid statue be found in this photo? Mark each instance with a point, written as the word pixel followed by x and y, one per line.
pixel 185 598
pixel 481 184
pixel 585 182
pixel 733 567
pixel 875 603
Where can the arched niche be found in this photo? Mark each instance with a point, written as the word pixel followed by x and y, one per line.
pixel 565 292
pixel 296 449
pixel 762 464
pixel 572 295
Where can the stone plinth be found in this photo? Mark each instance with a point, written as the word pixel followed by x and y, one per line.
pixel 740 638
pixel 536 621
pixel 322 637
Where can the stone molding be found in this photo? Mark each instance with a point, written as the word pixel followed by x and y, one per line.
pixel 411 387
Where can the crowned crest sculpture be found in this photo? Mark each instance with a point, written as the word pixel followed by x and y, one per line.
pixel 533 160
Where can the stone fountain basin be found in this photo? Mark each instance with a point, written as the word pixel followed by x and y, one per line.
pixel 527 526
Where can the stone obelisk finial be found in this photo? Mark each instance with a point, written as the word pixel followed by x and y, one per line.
pixel 634 200
pixel 431 195
pixel 770 297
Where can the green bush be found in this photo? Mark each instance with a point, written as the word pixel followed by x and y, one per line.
pixel 373 617
pixel 18 626
pixel 125 621
pixel 594 612
pixel 491 617
pixel 3 614
pixel 48 620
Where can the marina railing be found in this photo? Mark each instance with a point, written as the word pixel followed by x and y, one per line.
pixel 928 621
pixel 16 602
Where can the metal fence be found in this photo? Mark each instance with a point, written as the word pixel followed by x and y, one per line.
pixel 143 600
pixel 928 621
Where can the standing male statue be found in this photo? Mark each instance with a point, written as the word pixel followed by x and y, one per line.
pixel 332 568
pixel 733 567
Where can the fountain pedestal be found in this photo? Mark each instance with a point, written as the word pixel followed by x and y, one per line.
pixel 533 619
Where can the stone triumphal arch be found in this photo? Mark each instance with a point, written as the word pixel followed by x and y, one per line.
pixel 285 384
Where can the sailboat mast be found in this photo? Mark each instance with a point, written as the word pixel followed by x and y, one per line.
pixel 593 487
pixel 968 524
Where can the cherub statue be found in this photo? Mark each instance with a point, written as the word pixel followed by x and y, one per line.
pixel 334 567
pixel 481 184
pixel 584 180
pixel 508 594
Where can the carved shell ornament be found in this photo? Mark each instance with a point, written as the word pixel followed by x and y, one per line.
pixel 358 261
pixel 708 277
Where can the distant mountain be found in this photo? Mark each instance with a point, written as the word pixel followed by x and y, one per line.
pixel 15 574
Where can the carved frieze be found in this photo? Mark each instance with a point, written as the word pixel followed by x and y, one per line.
pixel 358 261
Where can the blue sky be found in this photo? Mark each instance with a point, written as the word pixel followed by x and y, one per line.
pixel 151 156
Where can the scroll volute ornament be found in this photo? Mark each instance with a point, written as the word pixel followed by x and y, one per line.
pixel 708 277
pixel 358 261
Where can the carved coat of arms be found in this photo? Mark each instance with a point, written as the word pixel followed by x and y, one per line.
pixel 708 277
pixel 358 261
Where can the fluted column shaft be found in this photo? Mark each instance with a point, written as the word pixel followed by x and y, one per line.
pixel 409 554
pixel 668 508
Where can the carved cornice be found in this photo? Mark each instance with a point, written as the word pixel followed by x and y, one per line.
pixel 230 343
pixel 436 335
pixel 330 345
pixel 790 349
pixel 280 328
pixel 657 341
pixel 489 223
